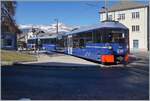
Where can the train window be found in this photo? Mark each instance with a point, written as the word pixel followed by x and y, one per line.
pixel 75 44
pixel 106 37
pixel 81 43
pixel 75 41
pixel 53 41
pixel 117 37
pixel 88 37
pixel 31 41
pixel 110 36
pixel 65 42
pixel 79 40
pixel 98 36
pixel 60 43
pixel 102 36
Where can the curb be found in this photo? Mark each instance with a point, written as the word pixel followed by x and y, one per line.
pixel 6 63
pixel 57 66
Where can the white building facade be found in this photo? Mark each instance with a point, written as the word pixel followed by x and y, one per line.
pixel 135 16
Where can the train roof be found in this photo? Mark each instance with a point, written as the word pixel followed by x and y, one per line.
pixel 104 24
pixel 48 36
pixel 45 36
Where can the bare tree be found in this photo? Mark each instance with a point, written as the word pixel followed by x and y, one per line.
pixel 8 24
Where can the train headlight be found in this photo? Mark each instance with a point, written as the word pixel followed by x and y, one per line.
pixel 120 51
pixel 109 47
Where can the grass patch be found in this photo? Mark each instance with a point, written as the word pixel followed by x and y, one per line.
pixel 14 56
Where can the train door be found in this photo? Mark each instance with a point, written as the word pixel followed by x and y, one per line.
pixel 69 44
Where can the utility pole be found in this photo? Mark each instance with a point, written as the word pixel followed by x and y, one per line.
pixel 106 10
pixel 56 29
pixel 56 25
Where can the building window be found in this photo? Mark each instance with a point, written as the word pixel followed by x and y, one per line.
pixel 8 42
pixel 135 28
pixel 110 17
pixel 121 16
pixel 5 28
pixel 135 15
pixel 136 44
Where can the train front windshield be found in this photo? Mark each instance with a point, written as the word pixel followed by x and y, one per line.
pixel 115 36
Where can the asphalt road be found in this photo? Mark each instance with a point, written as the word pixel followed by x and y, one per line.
pixel 89 83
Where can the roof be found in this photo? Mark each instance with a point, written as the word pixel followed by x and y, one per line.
pixel 104 24
pixel 48 36
pixel 45 36
pixel 124 5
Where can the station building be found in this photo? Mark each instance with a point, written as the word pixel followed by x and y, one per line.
pixel 135 16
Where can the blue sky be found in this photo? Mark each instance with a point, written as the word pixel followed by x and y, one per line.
pixel 70 13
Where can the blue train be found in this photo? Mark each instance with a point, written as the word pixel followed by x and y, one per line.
pixel 47 43
pixel 107 42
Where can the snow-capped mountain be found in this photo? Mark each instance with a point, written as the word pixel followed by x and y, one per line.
pixel 47 28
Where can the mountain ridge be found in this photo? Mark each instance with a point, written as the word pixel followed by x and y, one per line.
pixel 25 28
